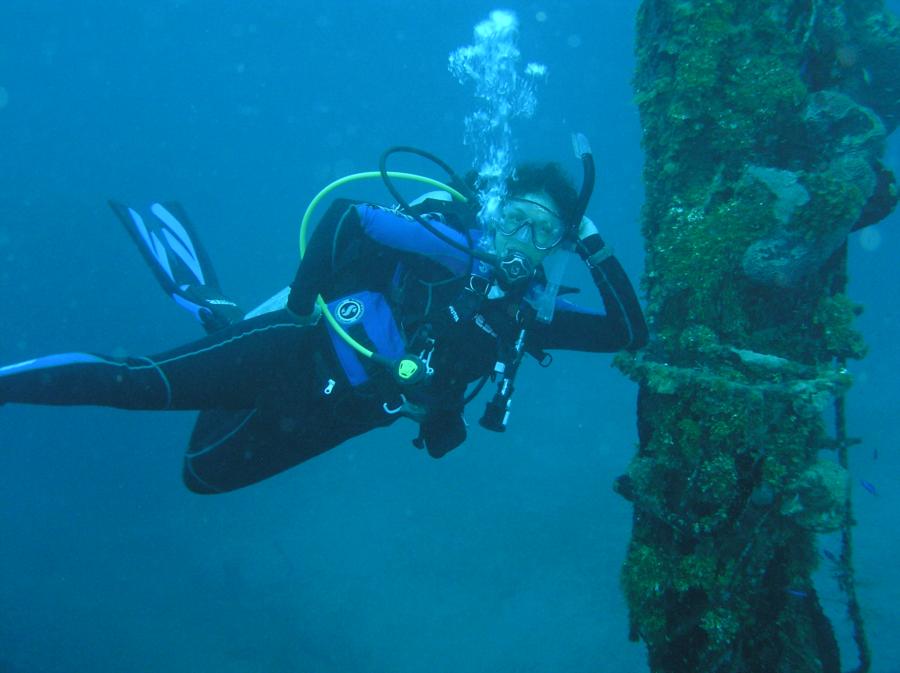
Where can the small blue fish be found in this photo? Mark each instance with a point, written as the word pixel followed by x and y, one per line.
pixel 829 555
pixel 798 593
pixel 869 486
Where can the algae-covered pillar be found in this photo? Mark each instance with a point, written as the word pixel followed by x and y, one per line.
pixel 764 123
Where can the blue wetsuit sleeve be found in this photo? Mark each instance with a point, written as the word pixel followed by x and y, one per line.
pixel 403 234
pixel 388 230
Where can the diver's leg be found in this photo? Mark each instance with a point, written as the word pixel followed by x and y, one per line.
pixel 226 370
pixel 230 450
pixel 85 378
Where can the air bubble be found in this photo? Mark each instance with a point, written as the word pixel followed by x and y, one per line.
pixel 503 92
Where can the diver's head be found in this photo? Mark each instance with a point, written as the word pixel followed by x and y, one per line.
pixel 537 219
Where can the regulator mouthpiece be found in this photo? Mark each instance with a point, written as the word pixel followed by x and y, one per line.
pixel 514 269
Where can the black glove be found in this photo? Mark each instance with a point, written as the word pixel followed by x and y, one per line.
pixel 441 432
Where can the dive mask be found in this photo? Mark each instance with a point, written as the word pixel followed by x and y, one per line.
pixel 547 227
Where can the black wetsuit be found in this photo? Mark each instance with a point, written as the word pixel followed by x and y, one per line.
pixel 274 391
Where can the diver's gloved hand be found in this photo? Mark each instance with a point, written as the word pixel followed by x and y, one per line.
pixel 306 320
pixel 441 432
pixel 591 246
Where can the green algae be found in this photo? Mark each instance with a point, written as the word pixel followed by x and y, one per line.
pixel 762 154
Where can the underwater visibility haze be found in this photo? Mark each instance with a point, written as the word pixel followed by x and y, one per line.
pixel 506 554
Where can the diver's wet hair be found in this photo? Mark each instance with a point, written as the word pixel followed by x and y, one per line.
pixel 549 178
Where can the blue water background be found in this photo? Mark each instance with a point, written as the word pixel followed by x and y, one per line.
pixel 505 555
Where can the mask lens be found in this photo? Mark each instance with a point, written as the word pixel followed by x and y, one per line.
pixel 513 219
pixel 546 234
pixel 547 229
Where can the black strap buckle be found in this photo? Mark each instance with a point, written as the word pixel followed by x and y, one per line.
pixel 478 285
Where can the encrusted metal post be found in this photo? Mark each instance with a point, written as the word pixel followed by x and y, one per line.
pixel 764 124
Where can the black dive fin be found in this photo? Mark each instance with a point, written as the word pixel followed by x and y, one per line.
pixel 171 248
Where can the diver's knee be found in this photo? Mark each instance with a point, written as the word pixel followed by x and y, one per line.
pixel 195 484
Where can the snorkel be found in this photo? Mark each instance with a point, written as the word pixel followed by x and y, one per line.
pixel 544 300
pixel 583 151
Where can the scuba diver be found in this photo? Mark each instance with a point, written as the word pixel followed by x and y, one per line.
pixel 394 312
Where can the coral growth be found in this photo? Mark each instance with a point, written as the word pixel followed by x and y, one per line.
pixel 764 124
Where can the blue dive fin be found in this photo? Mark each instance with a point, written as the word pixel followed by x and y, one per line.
pixel 171 248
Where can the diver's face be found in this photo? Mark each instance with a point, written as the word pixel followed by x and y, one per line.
pixel 530 226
